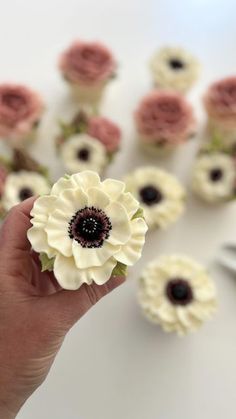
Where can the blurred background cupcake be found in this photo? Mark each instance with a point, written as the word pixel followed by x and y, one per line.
pixel 20 112
pixel 164 121
pixel 88 142
pixel 21 178
pixel 177 293
pixel 160 194
pixel 174 68
pixel 87 67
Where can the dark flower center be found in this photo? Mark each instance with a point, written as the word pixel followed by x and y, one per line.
pixel 150 195
pixel 25 193
pixel 83 154
pixel 90 226
pixel 179 292
pixel 216 174
pixel 176 64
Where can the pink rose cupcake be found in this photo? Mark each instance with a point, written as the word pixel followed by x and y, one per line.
pixel 88 67
pixel 88 143
pixel 20 113
pixel 164 120
pixel 220 105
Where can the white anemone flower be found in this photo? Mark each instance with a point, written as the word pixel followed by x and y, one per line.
pixel 87 228
pixel 161 195
pixel 214 177
pixel 22 185
pixel 83 152
pixel 174 68
pixel 177 293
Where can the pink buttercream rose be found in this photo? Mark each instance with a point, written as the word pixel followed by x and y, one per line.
pixel 165 117
pixel 20 109
pixel 105 131
pixel 87 63
pixel 220 102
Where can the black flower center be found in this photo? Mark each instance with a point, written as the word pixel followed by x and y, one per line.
pixel 176 64
pixel 25 193
pixel 150 195
pixel 90 227
pixel 179 292
pixel 216 174
pixel 83 154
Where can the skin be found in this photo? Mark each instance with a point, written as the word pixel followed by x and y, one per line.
pixel 36 314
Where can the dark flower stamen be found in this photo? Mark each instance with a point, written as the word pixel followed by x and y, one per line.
pixel 150 195
pixel 25 193
pixel 90 226
pixel 176 64
pixel 216 174
pixel 83 154
pixel 179 292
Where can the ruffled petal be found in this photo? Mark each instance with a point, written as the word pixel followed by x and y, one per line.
pixel 86 257
pixel 57 232
pixel 102 274
pixel 130 204
pixel 62 184
pixel 68 275
pixel 97 198
pixel 71 201
pixel 39 241
pixel 41 210
pixel 132 250
pixel 113 188
pixel 121 230
pixel 86 179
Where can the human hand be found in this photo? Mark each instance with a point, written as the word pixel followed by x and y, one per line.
pixel 35 313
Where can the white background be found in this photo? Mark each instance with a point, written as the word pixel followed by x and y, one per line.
pixel 114 364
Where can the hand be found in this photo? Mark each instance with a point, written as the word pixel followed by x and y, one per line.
pixel 35 313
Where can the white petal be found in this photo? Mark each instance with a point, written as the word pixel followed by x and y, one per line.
pixel 121 230
pixel 86 258
pixel 132 250
pixel 57 232
pixel 97 198
pixel 39 241
pixel 68 275
pixel 129 203
pixel 87 179
pixel 102 274
pixel 71 201
pixel 43 206
pixel 62 184
pixel 113 188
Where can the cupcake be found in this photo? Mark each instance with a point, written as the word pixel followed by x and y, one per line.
pixel 161 195
pixel 174 68
pixel 177 293
pixel 20 113
pixel 87 67
pixel 220 105
pixel 20 178
pixel 164 120
pixel 88 143
pixel 214 176
pixel 86 230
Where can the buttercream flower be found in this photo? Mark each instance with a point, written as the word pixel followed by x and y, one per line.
pixel 88 66
pixel 214 177
pixel 164 119
pixel 177 293
pixel 22 185
pixel 83 152
pixel 105 131
pixel 87 229
pixel 20 111
pixel 174 68
pixel 220 104
pixel 160 194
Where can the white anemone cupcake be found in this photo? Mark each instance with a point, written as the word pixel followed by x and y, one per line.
pixel 88 143
pixel 161 195
pixel 174 68
pixel 214 177
pixel 177 293
pixel 87 230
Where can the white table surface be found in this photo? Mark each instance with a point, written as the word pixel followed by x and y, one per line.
pixel 114 364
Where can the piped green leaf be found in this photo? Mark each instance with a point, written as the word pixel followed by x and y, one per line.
pixel 46 263
pixel 138 214
pixel 119 270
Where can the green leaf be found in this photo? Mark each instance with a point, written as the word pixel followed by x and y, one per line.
pixel 66 176
pixel 138 214
pixel 46 262
pixel 119 270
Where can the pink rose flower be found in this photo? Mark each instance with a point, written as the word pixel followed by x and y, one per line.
pixel 220 102
pixel 106 131
pixel 20 109
pixel 87 63
pixel 3 176
pixel 165 117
